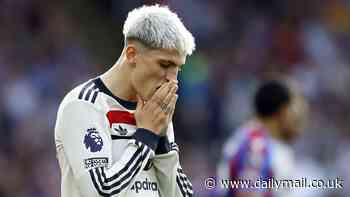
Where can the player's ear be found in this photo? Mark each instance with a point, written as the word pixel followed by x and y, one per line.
pixel 130 54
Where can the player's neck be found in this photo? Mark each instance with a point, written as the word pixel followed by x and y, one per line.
pixel 272 126
pixel 118 82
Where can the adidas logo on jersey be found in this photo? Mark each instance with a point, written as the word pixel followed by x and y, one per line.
pixel 122 131
pixel 144 185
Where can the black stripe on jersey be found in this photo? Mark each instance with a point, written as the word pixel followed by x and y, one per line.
pixel 92 175
pixel 87 96
pixel 83 90
pixel 174 146
pixel 94 96
pixel 96 185
pixel 185 179
pixel 183 183
pixel 180 186
pixel 148 166
pixel 126 184
pixel 117 137
pixel 125 168
pixel 122 181
pixel 88 89
pixel 186 183
pixel 128 174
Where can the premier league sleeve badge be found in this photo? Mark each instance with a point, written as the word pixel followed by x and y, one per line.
pixel 92 140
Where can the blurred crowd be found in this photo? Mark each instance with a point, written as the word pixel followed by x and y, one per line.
pixel 48 47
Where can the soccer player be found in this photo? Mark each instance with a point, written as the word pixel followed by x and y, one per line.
pixel 260 149
pixel 114 133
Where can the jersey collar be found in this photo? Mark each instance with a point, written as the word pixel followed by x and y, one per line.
pixel 127 104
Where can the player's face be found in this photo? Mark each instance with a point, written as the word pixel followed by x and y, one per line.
pixel 295 116
pixel 153 68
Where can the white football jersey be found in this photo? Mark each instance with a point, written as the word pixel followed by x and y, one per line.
pixel 101 152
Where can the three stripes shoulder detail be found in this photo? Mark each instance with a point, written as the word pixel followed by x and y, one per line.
pixel 89 92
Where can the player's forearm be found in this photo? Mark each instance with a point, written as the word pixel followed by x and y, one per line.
pixel 173 181
pixel 114 180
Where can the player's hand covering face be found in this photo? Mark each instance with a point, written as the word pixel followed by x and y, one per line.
pixel 157 112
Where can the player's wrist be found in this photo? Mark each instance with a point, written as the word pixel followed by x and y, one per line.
pixel 153 129
pixel 147 137
pixel 163 145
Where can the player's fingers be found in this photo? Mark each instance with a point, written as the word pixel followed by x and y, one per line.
pixel 171 106
pixel 140 103
pixel 170 94
pixel 167 106
pixel 157 98
pixel 161 92
pixel 170 87
pixel 151 103
pixel 175 87
pixel 160 101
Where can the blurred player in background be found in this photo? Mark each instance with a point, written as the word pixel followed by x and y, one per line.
pixel 114 134
pixel 261 149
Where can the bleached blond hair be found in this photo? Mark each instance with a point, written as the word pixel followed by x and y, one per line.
pixel 158 27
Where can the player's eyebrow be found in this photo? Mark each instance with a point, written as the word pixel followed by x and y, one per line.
pixel 169 62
